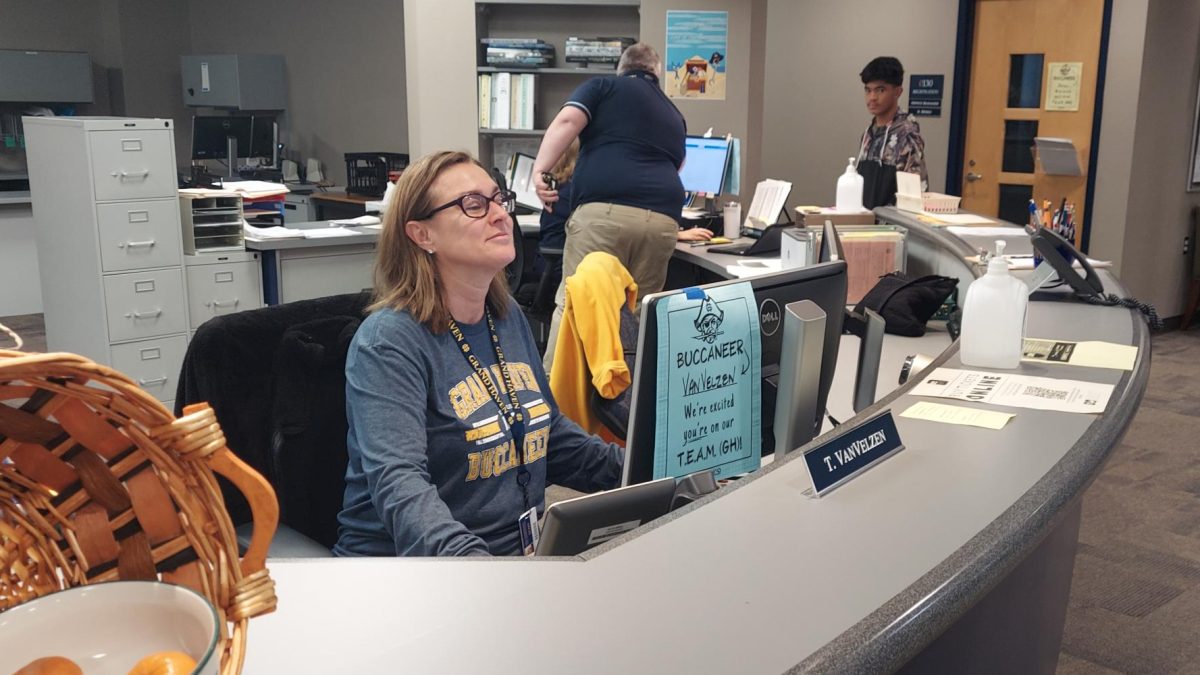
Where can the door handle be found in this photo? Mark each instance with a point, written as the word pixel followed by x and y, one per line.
pixel 972 176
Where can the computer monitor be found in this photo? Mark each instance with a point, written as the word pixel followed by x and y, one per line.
pixel 520 181
pixel 823 283
pixel 209 134
pixel 705 164
pixel 575 525
pixel 264 137
pixel 831 244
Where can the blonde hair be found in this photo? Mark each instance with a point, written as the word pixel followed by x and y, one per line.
pixel 565 168
pixel 405 276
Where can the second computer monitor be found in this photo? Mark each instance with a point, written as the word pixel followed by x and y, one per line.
pixel 704 168
pixel 824 283
pixel 209 136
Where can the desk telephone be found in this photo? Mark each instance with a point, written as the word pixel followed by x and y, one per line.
pixel 1061 255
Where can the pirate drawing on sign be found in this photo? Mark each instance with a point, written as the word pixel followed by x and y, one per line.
pixel 708 321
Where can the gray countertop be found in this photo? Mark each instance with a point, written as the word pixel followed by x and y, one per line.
pixel 755 578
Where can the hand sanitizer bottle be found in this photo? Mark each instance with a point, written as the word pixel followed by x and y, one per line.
pixel 993 324
pixel 849 190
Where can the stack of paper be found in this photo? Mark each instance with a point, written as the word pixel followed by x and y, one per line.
pixel 255 189
pixel 271 232
pixel 754 268
pixel 361 220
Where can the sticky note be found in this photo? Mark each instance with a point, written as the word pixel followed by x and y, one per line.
pixel 954 414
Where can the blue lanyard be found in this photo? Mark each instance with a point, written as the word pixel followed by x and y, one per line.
pixel 511 411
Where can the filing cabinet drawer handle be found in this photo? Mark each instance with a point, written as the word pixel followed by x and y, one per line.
pixel 156 380
pixel 145 315
pixel 149 243
pixel 144 173
pixel 217 304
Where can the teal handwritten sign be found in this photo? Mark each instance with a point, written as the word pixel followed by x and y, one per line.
pixel 709 383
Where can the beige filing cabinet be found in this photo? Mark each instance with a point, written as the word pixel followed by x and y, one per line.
pixel 110 254
pixel 222 283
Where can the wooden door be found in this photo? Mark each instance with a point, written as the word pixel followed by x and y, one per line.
pixel 1017 73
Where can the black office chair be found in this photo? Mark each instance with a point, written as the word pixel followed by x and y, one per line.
pixel 276 379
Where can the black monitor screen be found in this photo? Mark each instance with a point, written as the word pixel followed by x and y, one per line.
pixel 704 167
pixel 823 283
pixel 209 134
pixel 262 136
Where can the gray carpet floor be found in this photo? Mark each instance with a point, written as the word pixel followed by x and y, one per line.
pixel 1135 598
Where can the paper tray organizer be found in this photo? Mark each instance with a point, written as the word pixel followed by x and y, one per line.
pixel 871 252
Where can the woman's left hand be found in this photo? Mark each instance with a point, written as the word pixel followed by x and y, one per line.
pixel 695 234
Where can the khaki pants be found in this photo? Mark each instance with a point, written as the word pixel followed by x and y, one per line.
pixel 641 239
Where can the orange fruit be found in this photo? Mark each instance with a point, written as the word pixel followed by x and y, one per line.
pixel 50 665
pixel 165 663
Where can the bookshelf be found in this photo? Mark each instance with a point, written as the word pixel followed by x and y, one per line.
pixel 552 22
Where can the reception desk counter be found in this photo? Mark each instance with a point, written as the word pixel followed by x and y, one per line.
pixel 954 554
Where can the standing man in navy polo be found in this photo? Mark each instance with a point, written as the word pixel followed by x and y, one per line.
pixel 627 196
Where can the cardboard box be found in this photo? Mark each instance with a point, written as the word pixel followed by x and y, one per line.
pixel 809 216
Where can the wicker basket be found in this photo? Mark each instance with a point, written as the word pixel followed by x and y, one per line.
pixel 99 482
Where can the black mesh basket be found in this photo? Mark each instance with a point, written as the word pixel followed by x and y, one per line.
pixel 367 172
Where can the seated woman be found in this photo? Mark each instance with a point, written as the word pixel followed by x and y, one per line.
pixel 453 431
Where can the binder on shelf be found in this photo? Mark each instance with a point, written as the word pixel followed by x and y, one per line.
pixel 485 101
pixel 502 89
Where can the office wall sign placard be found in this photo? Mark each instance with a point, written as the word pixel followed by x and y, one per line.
pixel 925 95
pixel 708 412
pixel 697 47
pixel 834 462
pixel 1062 85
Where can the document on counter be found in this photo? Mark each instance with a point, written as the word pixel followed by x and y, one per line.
pixel 361 220
pixel 956 414
pixel 271 232
pixel 960 218
pixel 328 233
pixel 1093 353
pixel 754 268
pixel 1017 391
pixel 988 231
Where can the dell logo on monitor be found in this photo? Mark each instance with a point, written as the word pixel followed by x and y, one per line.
pixel 768 317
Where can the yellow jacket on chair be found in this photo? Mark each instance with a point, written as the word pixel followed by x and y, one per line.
pixel 588 351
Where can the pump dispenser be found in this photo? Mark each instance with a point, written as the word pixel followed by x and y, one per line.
pixel 850 190
pixel 993 324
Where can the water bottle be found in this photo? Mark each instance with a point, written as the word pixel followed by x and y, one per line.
pixel 849 190
pixel 993 323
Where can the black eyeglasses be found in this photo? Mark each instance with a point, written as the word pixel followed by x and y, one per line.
pixel 475 205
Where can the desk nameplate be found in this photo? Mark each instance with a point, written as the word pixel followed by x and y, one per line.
pixel 841 458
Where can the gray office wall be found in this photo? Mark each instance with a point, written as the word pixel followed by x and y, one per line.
pixel 813 109
pixel 345 69
pixel 152 36
pixel 66 25
pixel 741 113
pixel 1157 218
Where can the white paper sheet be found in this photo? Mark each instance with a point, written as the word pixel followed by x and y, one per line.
pixel 361 220
pixel 271 232
pixel 1019 391
pixel 753 268
pixel 988 231
pixel 328 233
pixel 961 218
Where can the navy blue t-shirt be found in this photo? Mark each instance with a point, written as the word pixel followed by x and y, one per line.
pixel 632 147
pixel 553 232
